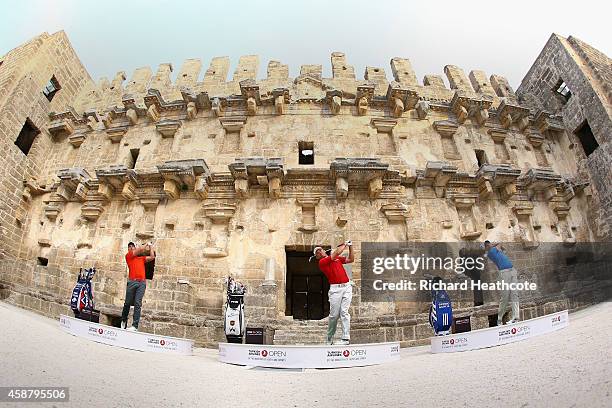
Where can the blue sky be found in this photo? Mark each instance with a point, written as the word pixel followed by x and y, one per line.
pixel 498 37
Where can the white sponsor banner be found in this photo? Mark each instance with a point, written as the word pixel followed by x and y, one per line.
pixel 115 336
pixel 317 356
pixel 496 336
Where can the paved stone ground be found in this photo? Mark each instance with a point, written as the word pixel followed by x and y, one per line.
pixel 570 368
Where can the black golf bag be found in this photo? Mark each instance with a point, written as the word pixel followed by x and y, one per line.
pixel 234 325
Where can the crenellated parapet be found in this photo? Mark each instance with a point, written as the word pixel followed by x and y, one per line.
pixel 143 95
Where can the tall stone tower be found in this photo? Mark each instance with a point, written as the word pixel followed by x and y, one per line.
pixel 574 80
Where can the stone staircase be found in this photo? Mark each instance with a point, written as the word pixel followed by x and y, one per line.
pixel 298 332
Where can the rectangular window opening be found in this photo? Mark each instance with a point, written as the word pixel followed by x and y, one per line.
pixel 306 152
pixel 562 89
pixel 26 136
pixel 134 155
pixel 586 137
pixel 51 88
pixel 42 261
pixel 481 157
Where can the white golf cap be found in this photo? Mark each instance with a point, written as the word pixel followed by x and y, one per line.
pixel 316 249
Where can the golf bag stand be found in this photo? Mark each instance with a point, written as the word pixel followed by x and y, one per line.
pixel 234 324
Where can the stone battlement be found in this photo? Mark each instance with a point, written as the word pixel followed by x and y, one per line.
pixel 308 86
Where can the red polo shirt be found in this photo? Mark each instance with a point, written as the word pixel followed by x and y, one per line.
pixel 333 269
pixel 136 265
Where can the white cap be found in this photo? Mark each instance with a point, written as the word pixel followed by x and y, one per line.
pixel 316 249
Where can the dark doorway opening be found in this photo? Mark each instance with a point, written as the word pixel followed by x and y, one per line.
pixel 306 287
pixel 586 137
pixel 43 261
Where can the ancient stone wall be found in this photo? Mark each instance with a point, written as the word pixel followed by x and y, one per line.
pixel 24 73
pixel 587 72
pixel 209 170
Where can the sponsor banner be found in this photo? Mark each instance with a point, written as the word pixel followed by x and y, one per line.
pixel 495 336
pixel 122 338
pixel 309 356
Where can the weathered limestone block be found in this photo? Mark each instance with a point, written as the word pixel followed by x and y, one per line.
pixel 172 189
pixel 375 187
pixel 422 109
pixel 115 134
pixel 91 211
pixel 340 69
pixel 217 70
pixel 139 82
pixel 342 187
pixel 502 88
pixel 132 116
pixel 281 99
pixel 542 180
pixel 315 70
pixel 277 70
pixel 481 83
pixel 153 113
pixel 375 75
pixel 433 80
pixel 403 72
pixel 188 75
pixel 247 68
pixel 58 128
pixel 467 226
pixel 168 127
pixel 457 79
pixel 192 110
pixel 77 138
pixel 218 107
pixel 162 80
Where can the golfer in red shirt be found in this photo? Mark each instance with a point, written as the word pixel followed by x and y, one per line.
pixel 136 285
pixel 340 289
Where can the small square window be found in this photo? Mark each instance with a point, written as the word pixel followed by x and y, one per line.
pixel 587 138
pixel 562 89
pixel 52 88
pixel 306 152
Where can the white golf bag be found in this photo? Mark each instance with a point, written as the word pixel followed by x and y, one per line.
pixel 234 325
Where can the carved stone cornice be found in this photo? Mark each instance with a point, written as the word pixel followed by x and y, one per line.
pixel 188 173
pixel 383 125
pixel 445 128
pixel 74 183
pixel 233 123
pixel 464 106
pixel 401 99
pixel 508 113
pixel 168 127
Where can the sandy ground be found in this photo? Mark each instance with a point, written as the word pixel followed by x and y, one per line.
pixel 570 368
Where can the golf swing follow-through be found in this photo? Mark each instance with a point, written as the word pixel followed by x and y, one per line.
pixel 340 289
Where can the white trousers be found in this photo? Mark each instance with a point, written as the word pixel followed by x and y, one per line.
pixel 508 296
pixel 340 297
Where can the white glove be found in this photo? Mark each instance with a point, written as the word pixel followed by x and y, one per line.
pixel 348 243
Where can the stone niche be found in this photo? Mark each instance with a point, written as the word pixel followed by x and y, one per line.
pixel 309 220
pixel 233 126
pixel 219 215
pixel 468 226
pixel 523 229
pixel 564 227
pixel 447 130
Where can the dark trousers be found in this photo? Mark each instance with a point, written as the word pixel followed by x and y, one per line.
pixel 134 292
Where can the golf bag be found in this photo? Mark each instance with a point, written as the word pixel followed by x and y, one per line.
pixel 440 311
pixel 234 324
pixel 82 299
